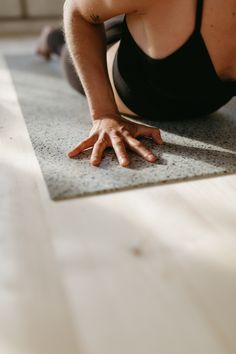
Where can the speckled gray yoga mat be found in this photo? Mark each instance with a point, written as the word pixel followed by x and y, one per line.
pixel 57 119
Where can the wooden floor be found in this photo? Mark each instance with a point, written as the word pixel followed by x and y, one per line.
pixel 148 271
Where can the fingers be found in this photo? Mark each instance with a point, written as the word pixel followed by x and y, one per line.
pixel 156 136
pixel 98 150
pixel 140 148
pixel 152 132
pixel 119 147
pixel 85 144
pixel 118 140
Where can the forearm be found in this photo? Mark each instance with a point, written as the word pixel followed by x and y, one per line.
pixel 87 46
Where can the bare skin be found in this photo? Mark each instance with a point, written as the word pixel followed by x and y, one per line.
pixel 113 132
pixel 159 28
pixel 221 47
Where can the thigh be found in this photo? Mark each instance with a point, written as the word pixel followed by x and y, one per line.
pixel 114 22
pixel 113 29
pixel 111 52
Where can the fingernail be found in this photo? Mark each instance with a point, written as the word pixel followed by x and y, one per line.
pixel 152 157
pixel 94 161
pixel 124 162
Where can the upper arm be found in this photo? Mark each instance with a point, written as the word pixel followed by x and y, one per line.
pixel 98 11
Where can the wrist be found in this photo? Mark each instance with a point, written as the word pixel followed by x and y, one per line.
pixel 115 115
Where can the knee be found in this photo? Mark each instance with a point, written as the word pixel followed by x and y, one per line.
pixel 55 40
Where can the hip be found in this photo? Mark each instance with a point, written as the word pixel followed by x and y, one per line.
pixel 123 109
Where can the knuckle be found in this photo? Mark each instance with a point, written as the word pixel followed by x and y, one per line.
pixel 123 157
pixel 123 130
pixel 126 134
pixel 138 144
pixel 113 132
pixel 117 139
pixel 102 140
pixel 157 132
pixel 119 143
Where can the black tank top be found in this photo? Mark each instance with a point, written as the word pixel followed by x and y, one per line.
pixel 183 84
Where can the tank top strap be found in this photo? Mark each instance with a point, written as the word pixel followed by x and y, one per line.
pixel 199 15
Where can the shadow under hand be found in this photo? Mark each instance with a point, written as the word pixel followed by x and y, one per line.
pixel 217 129
pixel 219 159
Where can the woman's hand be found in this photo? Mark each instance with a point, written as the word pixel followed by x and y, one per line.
pixel 116 132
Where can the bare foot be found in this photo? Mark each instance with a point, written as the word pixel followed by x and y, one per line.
pixel 42 48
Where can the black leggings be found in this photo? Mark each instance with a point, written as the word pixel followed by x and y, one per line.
pixel 57 45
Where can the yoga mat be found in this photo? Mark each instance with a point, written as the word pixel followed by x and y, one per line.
pixel 57 119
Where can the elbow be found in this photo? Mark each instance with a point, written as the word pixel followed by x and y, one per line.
pixel 70 12
pixel 75 8
pixel 69 7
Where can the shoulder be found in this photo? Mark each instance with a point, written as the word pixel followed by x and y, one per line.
pixel 98 11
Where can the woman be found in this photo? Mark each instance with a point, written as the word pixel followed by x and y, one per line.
pixel 175 59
